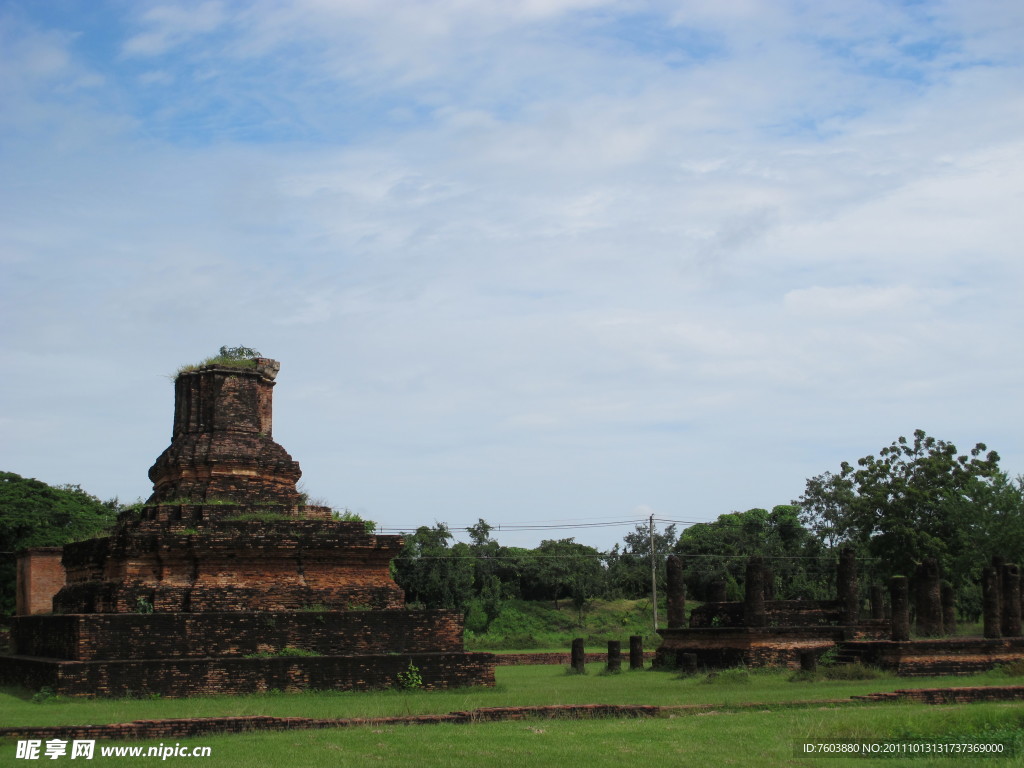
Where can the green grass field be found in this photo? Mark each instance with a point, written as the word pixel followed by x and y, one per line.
pixel 724 733
pixel 516 686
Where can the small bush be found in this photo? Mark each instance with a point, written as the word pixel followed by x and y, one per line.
pixel 411 679
pixel 829 657
pixel 45 695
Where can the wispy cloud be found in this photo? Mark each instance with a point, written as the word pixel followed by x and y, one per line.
pixel 584 255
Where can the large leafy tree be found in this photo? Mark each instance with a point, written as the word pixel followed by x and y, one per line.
pixel 562 568
pixel 719 550
pixel 918 498
pixel 433 572
pixel 34 514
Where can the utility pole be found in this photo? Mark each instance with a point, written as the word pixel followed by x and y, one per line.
pixel 654 576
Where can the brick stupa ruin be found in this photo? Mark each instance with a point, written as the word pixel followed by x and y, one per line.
pixel 225 583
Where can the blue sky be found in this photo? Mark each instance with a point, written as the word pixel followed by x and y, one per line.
pixel 538 260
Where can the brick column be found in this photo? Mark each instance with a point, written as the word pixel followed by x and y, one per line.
pixel 578 657
pixel 753 608
pixel 877 603
pixel 636 652
pixel 849 595
pixel 614 656
pixel 1011 624
pixel 948 608
pixel 929 598
pixel 676 589
pixel 899 598
pixel 991 602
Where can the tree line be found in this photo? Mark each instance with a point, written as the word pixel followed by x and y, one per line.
pixel 917 498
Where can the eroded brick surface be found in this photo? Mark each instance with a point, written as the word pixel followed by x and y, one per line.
pixel 223 578
pixel 40 576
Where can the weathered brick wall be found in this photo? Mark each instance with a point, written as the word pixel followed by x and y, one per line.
pixel 183 635
pixel 232 676
pixel 40 575
pixel 779 613
pixel 948 656
pixel 950 695
pixel 190 558
pixel 724 647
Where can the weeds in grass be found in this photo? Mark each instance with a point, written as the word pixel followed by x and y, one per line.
pixel 232 357
pixel 854 671
pixel 1010 669
pixel 803 676
pixel 45 695
pixel 737 676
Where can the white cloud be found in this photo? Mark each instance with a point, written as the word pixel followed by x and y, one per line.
pixel 585 255
pixel 169 26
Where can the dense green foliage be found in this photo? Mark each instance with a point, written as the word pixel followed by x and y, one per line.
pixel 34 514
pixel 920 499
pixel 917 498
pixel 802 568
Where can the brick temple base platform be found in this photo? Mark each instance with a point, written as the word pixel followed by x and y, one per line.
pixel 725 647
pixel 179 654
pixel 941 656
pixel 228 676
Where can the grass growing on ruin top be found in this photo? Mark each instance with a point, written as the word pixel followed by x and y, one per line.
pixel 232 357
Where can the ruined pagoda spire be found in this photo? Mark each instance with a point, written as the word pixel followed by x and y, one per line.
pixel 222 446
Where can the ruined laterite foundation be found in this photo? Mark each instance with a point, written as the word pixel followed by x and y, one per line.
pixel 225 583
pixel 759 633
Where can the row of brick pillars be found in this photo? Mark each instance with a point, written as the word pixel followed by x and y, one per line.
pixel 1000 595
pixel 578 656
pixel 758 589
pixel 933 598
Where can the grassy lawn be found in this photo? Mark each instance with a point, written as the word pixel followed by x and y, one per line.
pixel 763 737
pixel 723 733
pixel 516 686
